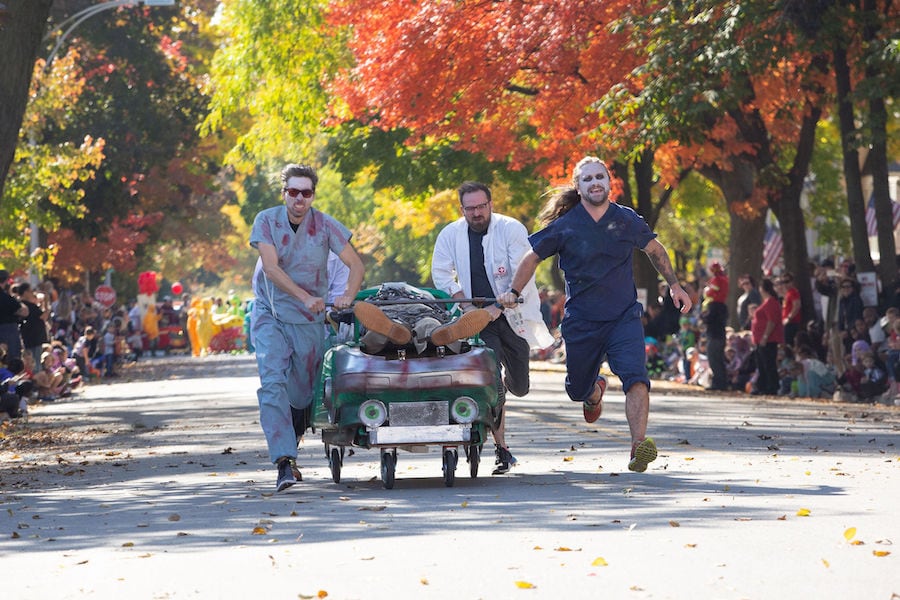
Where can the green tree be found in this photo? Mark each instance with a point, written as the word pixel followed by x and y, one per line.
pixel 46 175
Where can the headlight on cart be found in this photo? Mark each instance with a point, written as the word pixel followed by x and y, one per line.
pixel 464 410
pixel 372 413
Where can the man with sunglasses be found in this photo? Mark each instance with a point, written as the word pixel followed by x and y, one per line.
pixel 474 257
pixel 595 240
pixel 290 284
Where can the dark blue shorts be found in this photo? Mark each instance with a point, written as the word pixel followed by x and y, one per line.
pixel 588 343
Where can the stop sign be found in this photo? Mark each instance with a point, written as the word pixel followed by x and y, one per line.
pixel 105 295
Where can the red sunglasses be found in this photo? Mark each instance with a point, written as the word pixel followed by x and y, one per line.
pixel 293 192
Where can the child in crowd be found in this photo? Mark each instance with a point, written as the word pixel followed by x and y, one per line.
pixel 874 381
pixel 656 366
pixel 135 343
pixel 787 370
pixel 110 333
pixel 816 380
pixel 51 379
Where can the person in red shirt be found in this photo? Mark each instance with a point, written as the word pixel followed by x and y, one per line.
pixel 791 315
pixel 716 289
pixel 767 331
pixel 715 316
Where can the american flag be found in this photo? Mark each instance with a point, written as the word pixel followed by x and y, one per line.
pixel 772 247
pixel 871 223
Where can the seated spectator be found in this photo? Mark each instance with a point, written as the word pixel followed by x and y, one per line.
pixel 85 351
pixel 700 373
pixel 787 369
pixel 849 382
pixel 656 366
pixel 733 368
pixel 874 330
pixel 874 381
pixel 15 388
pixel 50 381
pixel 816 379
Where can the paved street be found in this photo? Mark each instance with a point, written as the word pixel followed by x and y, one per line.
pixel 161 489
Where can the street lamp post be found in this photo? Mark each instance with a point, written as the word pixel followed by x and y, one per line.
pixel 70 24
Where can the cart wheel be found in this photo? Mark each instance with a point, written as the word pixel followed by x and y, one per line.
pixel 335 461
pixel 450 458
pixel 474 457
pixel 388 467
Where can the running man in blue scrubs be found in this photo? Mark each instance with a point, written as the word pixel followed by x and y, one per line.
pixel 595 240
pixel 291 284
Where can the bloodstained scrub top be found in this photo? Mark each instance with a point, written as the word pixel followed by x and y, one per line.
pixel 596 258
pixel 302 255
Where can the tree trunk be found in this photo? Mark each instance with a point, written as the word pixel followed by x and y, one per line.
pixel 786 205
pixel 856 204
pixel 745 246
pixel 20 42
pixel 878 160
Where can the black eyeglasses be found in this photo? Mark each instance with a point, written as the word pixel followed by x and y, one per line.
pixel 293 192
pixel 472 209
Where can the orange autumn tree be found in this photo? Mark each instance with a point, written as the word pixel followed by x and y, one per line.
pixel 515 81
pixel 721 87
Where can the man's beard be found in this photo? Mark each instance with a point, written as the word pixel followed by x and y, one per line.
pixel 599 202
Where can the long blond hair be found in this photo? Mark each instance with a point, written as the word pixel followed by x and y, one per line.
pixel 563 199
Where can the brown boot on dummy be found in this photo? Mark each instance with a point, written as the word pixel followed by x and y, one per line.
pixel 469 324
pixel 374 319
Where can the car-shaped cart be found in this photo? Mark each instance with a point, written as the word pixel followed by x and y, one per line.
pixel 404 400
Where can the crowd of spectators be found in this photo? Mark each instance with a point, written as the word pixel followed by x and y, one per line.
pixel 53 341
pixel 847 351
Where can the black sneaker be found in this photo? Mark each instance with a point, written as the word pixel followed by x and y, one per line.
pixel 286 476
pixel 505 460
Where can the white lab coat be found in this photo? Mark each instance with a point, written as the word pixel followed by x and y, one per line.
pixel 504 246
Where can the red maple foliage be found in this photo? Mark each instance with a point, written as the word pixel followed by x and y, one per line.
pixel 513 80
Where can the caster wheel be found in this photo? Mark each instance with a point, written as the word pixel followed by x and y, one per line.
pixel 388 468
pixel 450 459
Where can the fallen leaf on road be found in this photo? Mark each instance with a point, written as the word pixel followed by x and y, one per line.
pixel 674 524
pixel 563 549
pixel 128 545
pixel 524 585
pixel 174 517
pixel 372 508
pixel 567 459
pixel 599 562
pixel 850 533
pixel 259 531
pixel 825 562
pixel 423 581
pixel 803 512
pixel 880 552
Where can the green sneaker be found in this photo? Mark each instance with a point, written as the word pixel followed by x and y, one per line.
pixel 642 454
